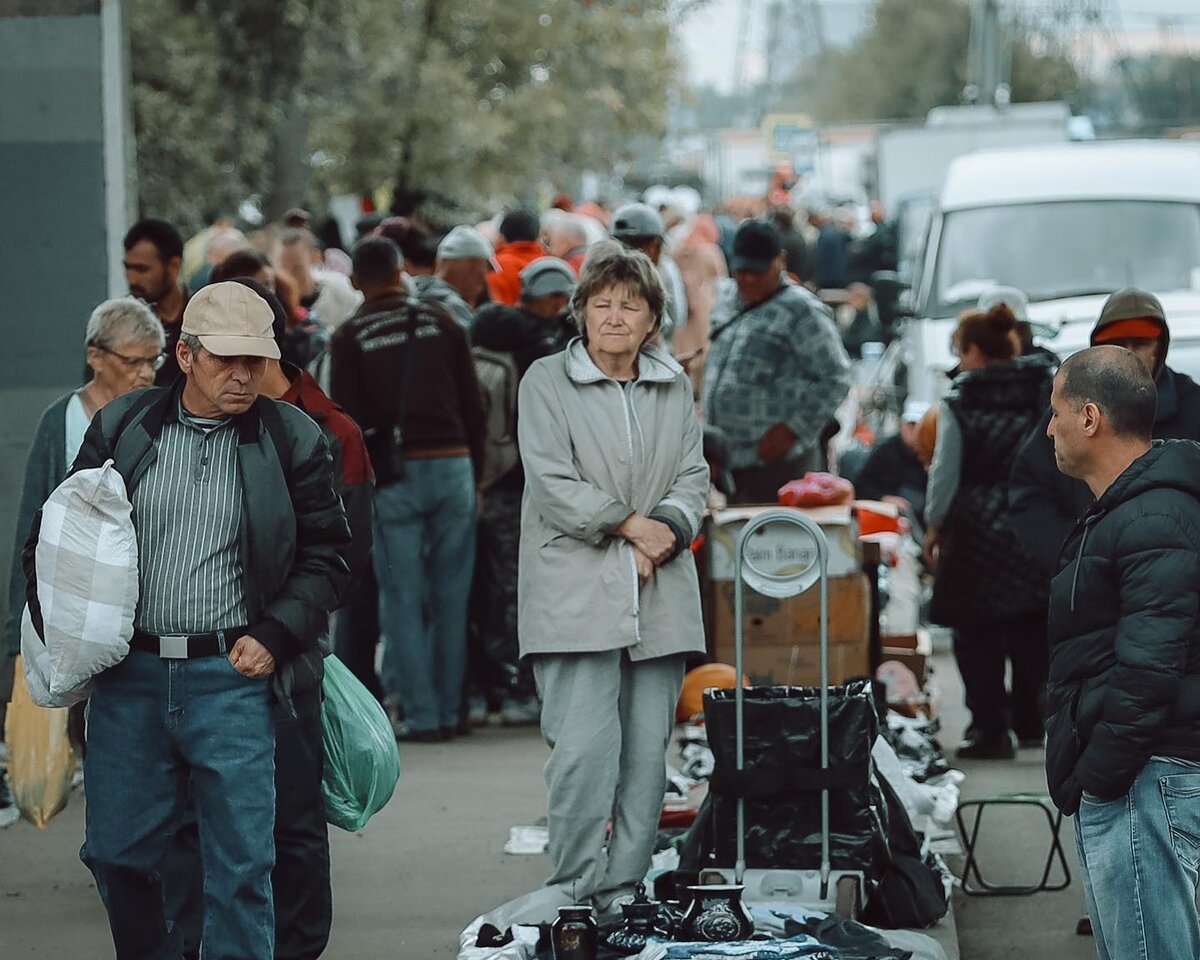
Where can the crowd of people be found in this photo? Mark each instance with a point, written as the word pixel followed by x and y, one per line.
pixel 491 450
pixel 394 486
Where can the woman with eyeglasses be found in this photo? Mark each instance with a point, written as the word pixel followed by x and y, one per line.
pixel 124 343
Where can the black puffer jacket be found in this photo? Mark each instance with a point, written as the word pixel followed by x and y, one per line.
pixel 1125 630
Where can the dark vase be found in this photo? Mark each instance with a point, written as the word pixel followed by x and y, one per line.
pixel 641 920
pixel 716 915
pixel 574 935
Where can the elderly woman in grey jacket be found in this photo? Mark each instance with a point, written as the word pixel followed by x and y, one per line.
pixel 124 343
pixel 609 604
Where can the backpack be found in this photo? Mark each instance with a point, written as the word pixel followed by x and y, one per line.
pixel 498 377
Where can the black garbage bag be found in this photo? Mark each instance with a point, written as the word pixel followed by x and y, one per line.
pixel 910 893
pixel 782 778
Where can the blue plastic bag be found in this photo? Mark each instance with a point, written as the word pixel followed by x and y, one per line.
pixel 362 763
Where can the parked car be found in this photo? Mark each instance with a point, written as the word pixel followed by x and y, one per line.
pixel 1068 224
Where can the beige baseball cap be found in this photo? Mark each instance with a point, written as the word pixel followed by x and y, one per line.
pixel 231 320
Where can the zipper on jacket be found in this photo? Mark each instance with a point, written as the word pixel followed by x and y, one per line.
pixel 1087 523
pixel 637 586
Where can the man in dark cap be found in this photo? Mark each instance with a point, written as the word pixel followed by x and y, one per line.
pixel 519 232
pixel 639 226
pixel 776 370
pixel 1044 503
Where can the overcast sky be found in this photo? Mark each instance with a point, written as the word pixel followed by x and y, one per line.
pixel 710 37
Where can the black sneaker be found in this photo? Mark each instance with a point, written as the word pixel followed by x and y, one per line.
pixel 987 748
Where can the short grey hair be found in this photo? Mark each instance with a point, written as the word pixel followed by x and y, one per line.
pixel 569 227
pixel 611 264
pixel 114 320
pixel 192 342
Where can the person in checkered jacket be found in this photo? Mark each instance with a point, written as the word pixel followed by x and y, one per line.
pixel 776 369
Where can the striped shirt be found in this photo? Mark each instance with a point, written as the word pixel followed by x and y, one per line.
pixel 187 510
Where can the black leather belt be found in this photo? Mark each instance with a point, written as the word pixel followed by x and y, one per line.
pixel 184 647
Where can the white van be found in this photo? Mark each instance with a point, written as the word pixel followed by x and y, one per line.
pixel 1068 224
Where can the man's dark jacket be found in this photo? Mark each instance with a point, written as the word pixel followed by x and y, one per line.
pixel 292 547
pixel 432 395
pixel 893 470
pixel 1125 631
pixel 1044 504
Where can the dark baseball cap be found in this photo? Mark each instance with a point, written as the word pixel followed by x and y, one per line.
pixel 755 246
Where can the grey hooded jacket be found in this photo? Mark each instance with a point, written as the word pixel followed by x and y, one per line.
pixel 596 451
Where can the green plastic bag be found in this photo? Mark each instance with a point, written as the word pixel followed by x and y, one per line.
pixel 362 763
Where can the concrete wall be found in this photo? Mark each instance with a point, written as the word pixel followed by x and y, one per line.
pixel 63 197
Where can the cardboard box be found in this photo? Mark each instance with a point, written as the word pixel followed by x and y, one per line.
pixel 782 639
pixel 837 523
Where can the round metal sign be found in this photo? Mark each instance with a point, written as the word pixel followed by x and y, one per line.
pixel 780 557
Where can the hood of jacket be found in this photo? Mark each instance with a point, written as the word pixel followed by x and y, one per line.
pixel 1164 344
pixel 655 365
pixel 1169 464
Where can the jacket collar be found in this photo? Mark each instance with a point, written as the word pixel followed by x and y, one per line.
pixel 165 409
pixel 305 392
pixel 655 365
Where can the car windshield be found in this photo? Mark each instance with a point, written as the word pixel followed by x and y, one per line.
pixel 1058 250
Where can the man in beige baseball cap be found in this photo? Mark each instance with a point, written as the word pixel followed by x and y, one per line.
pixel 223 350
pixel 242 540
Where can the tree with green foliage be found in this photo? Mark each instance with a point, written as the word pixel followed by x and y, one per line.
pixel 913 57
pixel 458 105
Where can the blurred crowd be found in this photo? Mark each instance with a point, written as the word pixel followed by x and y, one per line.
pixel 408 345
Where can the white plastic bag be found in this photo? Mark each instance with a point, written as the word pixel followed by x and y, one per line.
pixel 87 587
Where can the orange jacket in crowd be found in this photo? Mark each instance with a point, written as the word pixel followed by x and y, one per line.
pixel 505 285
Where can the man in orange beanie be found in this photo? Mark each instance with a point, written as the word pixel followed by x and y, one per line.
pixel 1044 503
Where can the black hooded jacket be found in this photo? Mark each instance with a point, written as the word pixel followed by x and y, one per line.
pixel 1125 631
pixel 1044 504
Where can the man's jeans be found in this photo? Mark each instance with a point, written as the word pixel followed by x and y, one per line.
pixel 152 724
pixel 1138 856
pixel 424 558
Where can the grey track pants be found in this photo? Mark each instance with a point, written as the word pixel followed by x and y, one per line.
pixel 608 721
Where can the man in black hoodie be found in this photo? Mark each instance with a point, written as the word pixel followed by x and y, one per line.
pixel 1044 504
pixel 1123 739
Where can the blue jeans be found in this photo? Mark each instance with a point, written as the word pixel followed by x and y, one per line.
pixel 1139 856
pixel 153 725
pixel 424 558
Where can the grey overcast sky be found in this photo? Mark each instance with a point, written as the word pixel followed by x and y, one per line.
pixel 710 36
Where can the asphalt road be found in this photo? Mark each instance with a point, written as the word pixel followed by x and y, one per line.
pixel 433 860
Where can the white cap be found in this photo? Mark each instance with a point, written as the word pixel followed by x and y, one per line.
pixel 467 243
pixel 914 411
pixel 1011 297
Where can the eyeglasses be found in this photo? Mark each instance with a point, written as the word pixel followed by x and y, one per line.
pixel 154 363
